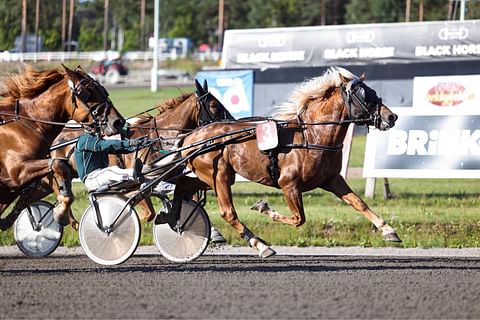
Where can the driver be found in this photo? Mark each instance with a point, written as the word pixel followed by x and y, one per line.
pixel 91 158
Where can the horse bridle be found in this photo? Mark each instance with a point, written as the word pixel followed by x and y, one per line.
pixel 82 92
pixel 355 97
pixel 205 115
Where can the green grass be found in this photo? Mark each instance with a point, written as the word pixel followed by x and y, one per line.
pixel 425 212
pixel 130 101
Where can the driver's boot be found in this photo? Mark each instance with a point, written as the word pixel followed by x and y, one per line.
pixel 170 216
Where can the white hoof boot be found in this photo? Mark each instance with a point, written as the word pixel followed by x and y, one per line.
pixel 264 251
pixel 267 252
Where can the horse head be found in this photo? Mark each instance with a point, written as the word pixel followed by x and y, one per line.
pixel 211 109
pixel 90 101
pixel 364 106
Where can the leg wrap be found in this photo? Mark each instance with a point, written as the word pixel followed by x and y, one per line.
pixel 247 235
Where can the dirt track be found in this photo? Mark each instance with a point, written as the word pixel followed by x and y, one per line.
pixel 241 287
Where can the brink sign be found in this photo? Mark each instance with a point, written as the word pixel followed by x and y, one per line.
pixel 423 145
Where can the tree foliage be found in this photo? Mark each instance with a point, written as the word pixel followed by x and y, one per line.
pixel 198 20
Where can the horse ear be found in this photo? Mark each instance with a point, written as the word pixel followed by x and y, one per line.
pixel 199 88
pixel 70 73
pixel 362 77
pixel 205 85
pixel 343 78
pixel 65 68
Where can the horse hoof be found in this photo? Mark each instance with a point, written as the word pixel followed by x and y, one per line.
pixel 267 252
pixel 75 225
pixel 260 206
pixel 61 219
pixel 216 237
pixel 392 237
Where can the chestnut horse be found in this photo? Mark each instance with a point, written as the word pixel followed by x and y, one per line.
pixel 310 129
pixel 35 108
pixel 176 115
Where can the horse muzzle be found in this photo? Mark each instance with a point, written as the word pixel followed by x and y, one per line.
pixel 386 121
pixel 114 126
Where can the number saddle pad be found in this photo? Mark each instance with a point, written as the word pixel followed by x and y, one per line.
pixel 267 135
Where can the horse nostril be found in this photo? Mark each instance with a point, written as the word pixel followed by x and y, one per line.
pixel 118 123
pixel 392 118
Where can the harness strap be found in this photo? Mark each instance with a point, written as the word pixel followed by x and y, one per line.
pixel 273 169
pixel 320 147
pixel 17 109
pixel 17 112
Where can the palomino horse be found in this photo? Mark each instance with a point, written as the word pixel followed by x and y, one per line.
pixel 35 108
pixel 177 115
pixel 311 129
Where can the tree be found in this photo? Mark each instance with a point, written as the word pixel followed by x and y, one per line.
pixel 375 11
pixel 198 20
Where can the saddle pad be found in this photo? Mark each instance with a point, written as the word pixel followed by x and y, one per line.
pixel 267 136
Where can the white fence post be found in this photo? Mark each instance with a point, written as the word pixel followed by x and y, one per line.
pixel 370 187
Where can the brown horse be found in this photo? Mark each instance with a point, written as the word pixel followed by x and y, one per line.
pixel 311 129
pixel 35 108
pixel 176 115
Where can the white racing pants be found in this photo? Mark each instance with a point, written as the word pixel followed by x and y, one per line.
pixel 106 176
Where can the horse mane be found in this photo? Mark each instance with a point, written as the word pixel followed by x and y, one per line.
pixel 162 107
pixel 30 83
pixel 315 88
pixel 172 103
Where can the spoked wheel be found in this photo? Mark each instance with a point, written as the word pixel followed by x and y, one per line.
pixel 117 245
pixel 190 241
pixel 36 233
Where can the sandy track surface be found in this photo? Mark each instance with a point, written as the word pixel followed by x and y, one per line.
pixel 242 286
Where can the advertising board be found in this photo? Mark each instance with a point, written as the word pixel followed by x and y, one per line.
pixel 425 144
pixel 351 44
pixel 233 88
pixel 447 92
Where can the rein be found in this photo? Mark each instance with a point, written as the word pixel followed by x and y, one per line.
pixel 17 114
pixel 17 117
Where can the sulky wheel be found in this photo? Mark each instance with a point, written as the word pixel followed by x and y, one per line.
pixel 116 245
pixel 190 241
pixel 36 233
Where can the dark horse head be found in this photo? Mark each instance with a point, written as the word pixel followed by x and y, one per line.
pixel 211 110
pixel 91 98
pixel 364 106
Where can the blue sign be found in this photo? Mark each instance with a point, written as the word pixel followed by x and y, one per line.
pixel 233 88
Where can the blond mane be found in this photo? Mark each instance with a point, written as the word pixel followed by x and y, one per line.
pixel 311 89
pixel 30 83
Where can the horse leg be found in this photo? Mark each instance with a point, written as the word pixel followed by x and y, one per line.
pixel 295 203
pixel 227 211
pixel 339 187
pixel 62 186
pixel 147 211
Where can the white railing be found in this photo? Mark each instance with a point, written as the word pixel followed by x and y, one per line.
pixel 100 55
